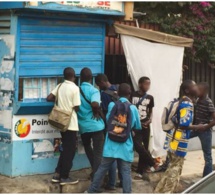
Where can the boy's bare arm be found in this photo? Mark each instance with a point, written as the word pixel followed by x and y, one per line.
pixel 76 108
pixel 146 124
pixel 203 127
pixel 150 114
pixel 199 127
pixel 97 114
pixel 211 124
pixel 50 98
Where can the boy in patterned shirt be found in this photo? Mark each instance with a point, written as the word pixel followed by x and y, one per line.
pixel 177 139
pixel 205 114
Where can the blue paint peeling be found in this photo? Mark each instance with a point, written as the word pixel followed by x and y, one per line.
pixel 4 50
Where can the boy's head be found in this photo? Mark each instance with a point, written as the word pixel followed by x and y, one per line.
pixel 69 74
pixel 124 90
pixel 86 75
pixel 102 81
pixel 189 88
pixel 144 84
pixel 203 89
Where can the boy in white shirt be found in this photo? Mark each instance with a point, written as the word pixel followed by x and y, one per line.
pixel 69 100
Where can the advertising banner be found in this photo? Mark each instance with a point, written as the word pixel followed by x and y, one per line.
pixel 29 127
pixel 105 5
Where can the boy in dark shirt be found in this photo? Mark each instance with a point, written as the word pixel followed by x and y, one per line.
pixel 144 107
pixel 108 91
pixel 205 114
pixel 144 103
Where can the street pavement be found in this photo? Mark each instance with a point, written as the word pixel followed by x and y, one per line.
pixel 192 172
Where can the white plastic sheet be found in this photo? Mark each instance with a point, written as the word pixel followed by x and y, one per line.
pixel 163 65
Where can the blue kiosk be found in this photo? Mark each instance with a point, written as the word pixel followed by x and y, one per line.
pixel 37 41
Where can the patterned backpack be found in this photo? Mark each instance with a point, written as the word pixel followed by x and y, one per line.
pixel 119 122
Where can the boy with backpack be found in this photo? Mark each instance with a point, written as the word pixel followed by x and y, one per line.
pixel 205 114
pixel 144 103
pixel 108 94
pixel 108 91
pixel 177 123
pixel 122 117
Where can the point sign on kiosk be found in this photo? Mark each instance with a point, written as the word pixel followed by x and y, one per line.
pixel 22 128
pixel 33 127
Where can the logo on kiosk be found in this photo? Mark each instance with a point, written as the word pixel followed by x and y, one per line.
pixel 22 128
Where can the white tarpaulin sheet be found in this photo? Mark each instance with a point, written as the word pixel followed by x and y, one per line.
pixel 163 65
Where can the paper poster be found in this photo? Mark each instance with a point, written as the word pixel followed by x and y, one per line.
pixel 46 148
pixel 7 75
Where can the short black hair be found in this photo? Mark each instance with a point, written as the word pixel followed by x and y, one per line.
pixel 86 75
pixel 68 73
pixel 143 79
pixel 205 85
pixel 101 77
pixel 184 86
pixel 124 90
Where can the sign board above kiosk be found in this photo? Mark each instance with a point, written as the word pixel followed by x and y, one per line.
pixel 106 5
pixel 90 7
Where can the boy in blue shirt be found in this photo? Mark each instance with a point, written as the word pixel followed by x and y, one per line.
pixel 120 151
pixel 91 125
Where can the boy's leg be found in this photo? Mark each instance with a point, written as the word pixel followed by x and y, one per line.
pixel 68 153
pixel 98 142
pixel 140 165
pixel 193 134
pixel 146 137
pixel 100 173
pixel 166 163
pixel 119 174
pixel 112 175
pixel 206 142
pixel 125 170
pixel 171 177
pixel 145 157
pixel 86 140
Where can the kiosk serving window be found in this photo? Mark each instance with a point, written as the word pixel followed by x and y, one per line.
pixel 36 89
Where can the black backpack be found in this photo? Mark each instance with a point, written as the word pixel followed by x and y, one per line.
pixel 119 122
pixel 113 93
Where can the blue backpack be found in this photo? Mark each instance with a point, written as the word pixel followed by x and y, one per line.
pixel 119 122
